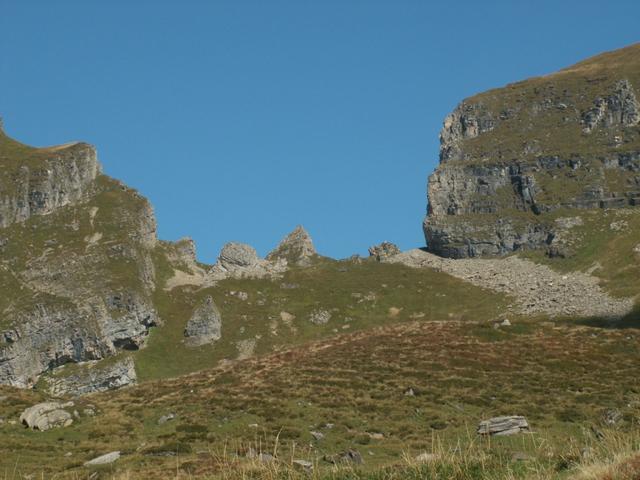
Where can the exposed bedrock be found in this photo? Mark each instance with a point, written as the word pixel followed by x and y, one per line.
pixel 507 169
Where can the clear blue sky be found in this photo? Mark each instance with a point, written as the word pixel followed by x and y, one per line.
pixel 241 119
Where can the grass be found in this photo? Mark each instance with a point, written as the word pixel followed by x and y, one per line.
pixel 545 113
pixel 562 377
pixel 49 260
pixel 535 115
pixel 597 246
pixel 358 296
pixel 409 362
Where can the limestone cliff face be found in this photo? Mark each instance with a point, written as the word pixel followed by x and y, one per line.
pixel 64 176
pixel 513 160
pixel 77 264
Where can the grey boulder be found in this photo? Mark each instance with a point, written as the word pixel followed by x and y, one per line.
pixel 103 459
pixel 507 425
pixel 205 324
pixel 47 415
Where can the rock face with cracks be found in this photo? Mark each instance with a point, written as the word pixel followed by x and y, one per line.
pixel 76 261
pixel 513 159
pixel 92 377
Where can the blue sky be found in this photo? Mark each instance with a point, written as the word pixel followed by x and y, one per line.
pixel 242 119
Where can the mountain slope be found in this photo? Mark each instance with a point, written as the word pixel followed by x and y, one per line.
pixel 516 162
pixel 76 267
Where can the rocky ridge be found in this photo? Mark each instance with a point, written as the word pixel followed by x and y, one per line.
pixel 512 159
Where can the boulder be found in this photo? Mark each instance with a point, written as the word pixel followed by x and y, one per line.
pixel 238 255
pixel 166 418
pixel 384 250
pixel 303 465
pixel 296 248
pixel 348 456
pixel 103 459
pixel 205 324
pixel 238 260
pixel 507 425
pixel 47 415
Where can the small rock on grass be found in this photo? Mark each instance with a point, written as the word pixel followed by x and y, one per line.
pixel 426 457
pixel 348 456
pixel 303 465
pixel 506 425
pixel 165 418
pixel 103 459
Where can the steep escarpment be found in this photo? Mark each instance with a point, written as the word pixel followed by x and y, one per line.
pixel 37 181
pixel 515 160
pixel 76 261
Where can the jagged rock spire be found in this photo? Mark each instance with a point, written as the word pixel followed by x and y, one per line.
pixel 296 248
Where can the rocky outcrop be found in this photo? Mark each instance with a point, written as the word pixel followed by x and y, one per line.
pixel 92 377
pixel 127 324
pixel 507 165
pixel 49 336
pixel 76 262
pixel 296 249
pixel 619 108
pixel 384 250
pixel 320 316
pixel 47 415
pixel 181 256
pixel 64 176
pixel 205 324
pixel 468 120
pixel 238 260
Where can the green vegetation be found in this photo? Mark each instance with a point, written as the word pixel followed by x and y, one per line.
pixel 546 112
pixel 603 245
pixel 358 296
pixel 408 362
pixel 353 388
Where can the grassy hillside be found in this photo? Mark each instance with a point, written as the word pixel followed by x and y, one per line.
pixel 353 389
pixel 276 314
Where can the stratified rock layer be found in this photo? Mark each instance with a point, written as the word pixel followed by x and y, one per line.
pixel 93 377
pixel 77 266
pixel 513 159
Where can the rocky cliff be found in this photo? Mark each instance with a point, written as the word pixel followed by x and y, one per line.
pixel 516 161
pixel 76 261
